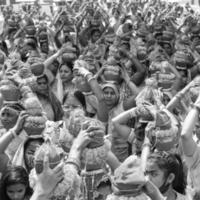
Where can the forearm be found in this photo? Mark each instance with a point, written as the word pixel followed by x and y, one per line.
pixel 189 123
pixel 17 34
pixel 95 87
pixel 145 153
pixel 125 116
pixel 188 144
pixel 5 140
pixel 133 88
pixel 177 98
pixel 112 161
pixel 50 60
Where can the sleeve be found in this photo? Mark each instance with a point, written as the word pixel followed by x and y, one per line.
pixel 194 160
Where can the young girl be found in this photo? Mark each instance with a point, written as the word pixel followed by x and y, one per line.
pixel 165 170
pixel 15 184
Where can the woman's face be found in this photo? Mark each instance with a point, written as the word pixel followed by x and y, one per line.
pixel 8 119
pixel 110 97
pixel 168 49
pixel 184 77
pixel 70 105
pixel 29 153
pixel 155 174
pixel 45 47
pixel 16 191
pixel 66 74
pixel 96 35
pixel 42 85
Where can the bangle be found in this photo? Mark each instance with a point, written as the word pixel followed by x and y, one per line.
pixel 75 162
pixel 91 78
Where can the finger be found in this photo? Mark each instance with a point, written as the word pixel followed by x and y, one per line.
pixel 97 133
pixel 93 128
pixel 46 161
pixel 23 112
pixel 24 115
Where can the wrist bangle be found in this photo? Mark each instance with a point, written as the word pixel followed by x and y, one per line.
pixel 75 162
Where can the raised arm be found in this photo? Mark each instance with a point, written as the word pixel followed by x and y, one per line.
pixel 188 143
pixel 7 138
pixel 140 69
pixel 120 122
pixel 102 111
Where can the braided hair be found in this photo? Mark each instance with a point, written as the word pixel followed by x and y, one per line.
pixel 171 163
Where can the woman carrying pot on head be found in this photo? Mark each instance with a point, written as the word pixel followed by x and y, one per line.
pixel 108 105
pixel 25 152
pixel 163 178
pixel 10 113
pixel 66 76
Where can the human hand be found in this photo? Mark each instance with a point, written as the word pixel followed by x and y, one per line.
pixel 125 75
pixel 17 79
pixel 20 122
pixel 81 67
pixel 80 63
pixel 82 140
pixel 152 191
pixel 61 50
pixel 100 72
pixel 48 179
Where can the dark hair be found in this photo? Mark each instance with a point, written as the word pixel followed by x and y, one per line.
pixel 171 163
pixel 56 63
pixel 44 76
pixel 68 64
pixel 95 30
pixel 14 175
pixel 79 96
pixel 27 143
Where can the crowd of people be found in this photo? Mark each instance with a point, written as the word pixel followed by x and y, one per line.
pixel 100 100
